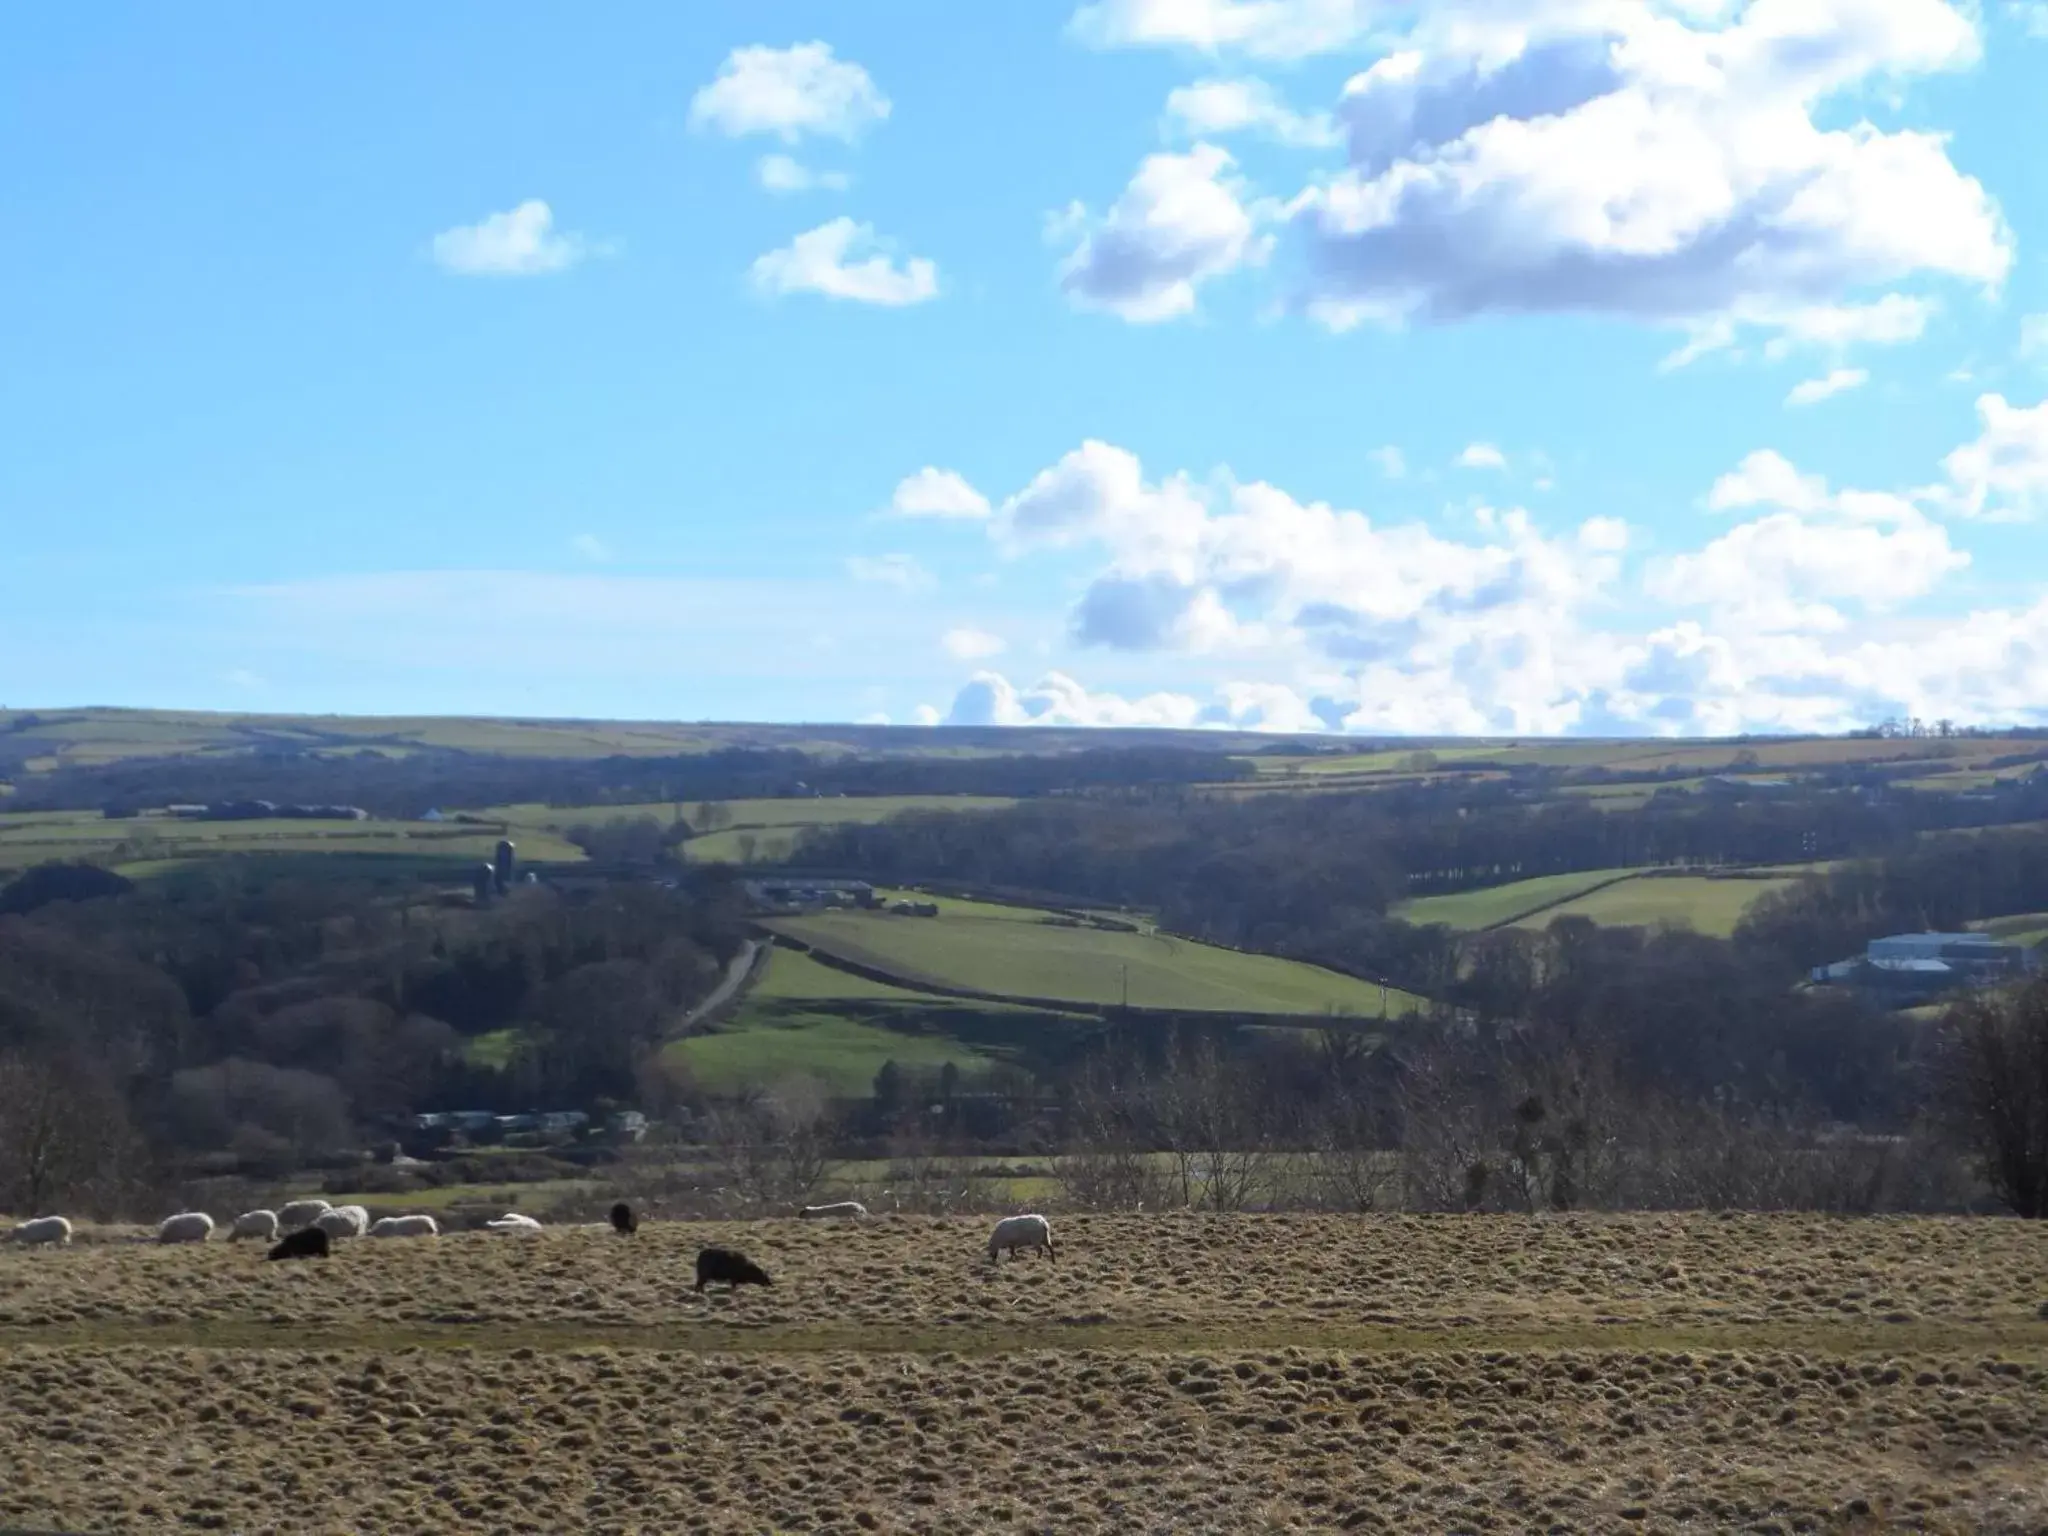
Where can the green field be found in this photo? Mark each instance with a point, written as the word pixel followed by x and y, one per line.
pixel 748 831
pixel 1022 952
pixel 793 977
pixel 149 843
pixel 1496 905
pixel 1703 903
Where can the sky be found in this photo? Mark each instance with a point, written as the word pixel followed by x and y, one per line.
pixel 1494 367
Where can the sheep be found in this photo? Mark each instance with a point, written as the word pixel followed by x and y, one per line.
pixel 513 1221
pixel 185 1227
pixel 406 1226
pixel 306 1243
pixel 624 1222
pixel 343 1221
pixel 851 1208
pixel 1015 1232
pixel 734 1269
pixel 261 1224
pixel 54 1230
pixel 301 1213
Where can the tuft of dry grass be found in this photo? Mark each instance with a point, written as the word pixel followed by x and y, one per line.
pixel 1169 1373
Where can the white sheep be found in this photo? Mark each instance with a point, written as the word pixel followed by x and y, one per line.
pixel 54 1230
pixel 513 1221
pixel 851 1208
pixel 301 1213
pixel 406 1226
pixel 343 1221
pixel 185 1227
pixel 261 1224
pixel 1019 1232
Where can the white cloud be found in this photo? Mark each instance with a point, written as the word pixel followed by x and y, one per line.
pixel 1626 158
pixel 521 242
pixel 1482 456
pixel 1215 107
pixel 591 548
pixel 844 260
pixel 897 570
pixel 1275 29
pixel 2004 472
pixel 783 174
pixel 926 714
pixel 969 644
pixel 1834 382
pixel 1391 461
pixel 1179 224
pixel 1821 609
pixel 789 92
pixel 933 492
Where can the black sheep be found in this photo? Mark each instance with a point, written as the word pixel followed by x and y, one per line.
pixel 735 1269
pixel 306 1243
pixel 623 1219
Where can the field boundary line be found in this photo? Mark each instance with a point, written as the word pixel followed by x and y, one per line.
pixel 1087 1332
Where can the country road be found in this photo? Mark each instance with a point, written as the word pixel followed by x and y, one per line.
pixel 735 977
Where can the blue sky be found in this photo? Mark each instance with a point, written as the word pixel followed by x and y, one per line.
pixel 1496 366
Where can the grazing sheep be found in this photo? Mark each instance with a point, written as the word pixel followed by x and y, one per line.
pixel 406 1226
pixel 301 1213
pixel 343 1221
pixel 54 1230
pixel 261 1224
pixel 306 1243
pixel 734 1269
pixel 513 1221
pixel 185 1227
pixel 623 1219
pixel 851 1208
pixel 1015 1232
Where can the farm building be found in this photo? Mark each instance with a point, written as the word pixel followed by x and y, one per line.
pixel 802 893
pixel 1919 964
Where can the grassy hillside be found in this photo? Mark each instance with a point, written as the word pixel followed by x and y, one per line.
pixel 1705 904
pixel 1496 905
pixel 155 842
pixel 1018 951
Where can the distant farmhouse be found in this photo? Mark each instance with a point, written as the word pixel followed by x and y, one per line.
pixel 804 894
pixel 1916 965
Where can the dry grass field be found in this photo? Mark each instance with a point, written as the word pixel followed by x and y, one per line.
pixel 1171 1373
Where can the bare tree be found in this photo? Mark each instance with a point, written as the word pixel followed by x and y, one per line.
pixel 775 1150
pixel 1108 1165
pixel 64 1136
pixel 1211 1120
pixel 1998 1091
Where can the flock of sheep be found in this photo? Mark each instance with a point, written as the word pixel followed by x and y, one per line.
pixel 306 1229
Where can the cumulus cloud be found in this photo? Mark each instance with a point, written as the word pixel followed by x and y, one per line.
pixel 521 242
pixel 1482 456
pixel 1212 108
pixel 967 643
pixel 1273 29
pixel 844 260
pixel 897 570
pixel 1834 382
pixel 1808 607
pixel 783 174
pixel 1178 225
pixel 790 93
pixel 2003 473
pixel 933 492
pixel 1668 165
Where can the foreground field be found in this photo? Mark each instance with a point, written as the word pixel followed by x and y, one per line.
pixel 1174 1373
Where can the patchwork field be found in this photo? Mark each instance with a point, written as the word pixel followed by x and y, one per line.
pixel 1705 904
pixel 743 831
pixel 1024 952
pixel 1496 905
pixel 1166 1373
pixel 143 844
pixel 802 1018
